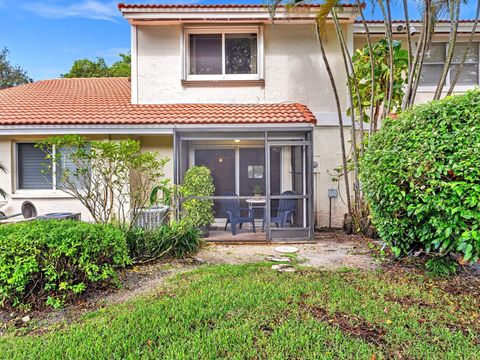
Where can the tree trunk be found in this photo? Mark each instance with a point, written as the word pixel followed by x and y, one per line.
pixel 430 26
pixel 387 18
pixel 352 86
pixel 409 36
pixel 453 81
pixel 372 74
pixel 454 8
pixel 340 117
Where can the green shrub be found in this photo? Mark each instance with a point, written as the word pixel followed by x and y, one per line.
pixel 421 177
pixel 49 261
pixel 176 239
pixel 441 266
pixel 198 181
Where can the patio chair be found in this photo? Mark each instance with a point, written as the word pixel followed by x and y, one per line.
pixel 284 211
pixel 28 211
pixel 234 213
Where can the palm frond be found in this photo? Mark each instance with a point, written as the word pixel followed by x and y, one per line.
pixel 322 15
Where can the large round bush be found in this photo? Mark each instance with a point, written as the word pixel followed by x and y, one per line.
pixel 49 261
pixel 421 176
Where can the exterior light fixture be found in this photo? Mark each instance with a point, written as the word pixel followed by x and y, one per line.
pixel 237 140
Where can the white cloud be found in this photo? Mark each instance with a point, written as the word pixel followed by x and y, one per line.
pixel 90 9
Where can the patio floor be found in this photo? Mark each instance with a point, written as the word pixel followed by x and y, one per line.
pixel 243 235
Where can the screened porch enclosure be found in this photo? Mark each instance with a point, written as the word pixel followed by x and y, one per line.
pixel 262 179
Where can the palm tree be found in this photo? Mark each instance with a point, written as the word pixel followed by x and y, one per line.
pixel 3 193
pixel 320 25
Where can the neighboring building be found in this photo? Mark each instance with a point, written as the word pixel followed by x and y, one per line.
pixel 215 85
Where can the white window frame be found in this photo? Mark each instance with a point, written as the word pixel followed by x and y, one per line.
pixel 222 31
pixel 458 87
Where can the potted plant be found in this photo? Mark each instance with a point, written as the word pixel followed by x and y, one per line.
pixel 198 181
pixel 257 191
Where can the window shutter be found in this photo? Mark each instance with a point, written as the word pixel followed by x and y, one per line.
pixel 31 168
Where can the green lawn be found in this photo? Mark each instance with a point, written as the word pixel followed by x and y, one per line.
pixel 249 311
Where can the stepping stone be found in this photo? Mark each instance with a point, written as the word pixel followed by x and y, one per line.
pixel 277 258
pixel 280 266
pixel 287 269
pixel 286 249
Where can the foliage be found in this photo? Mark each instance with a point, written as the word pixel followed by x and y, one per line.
pixel 176 239
pixel 250 312
pixel 3 193
pixel 49 261
pixel 361 62
pixel 198 181
pixel 422 180
pixel 85 68
pixel 112 179
pixel 167 191
pixel 121 68
pixel 441 266
pixel 11 75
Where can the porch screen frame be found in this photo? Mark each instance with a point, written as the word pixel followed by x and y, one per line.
pixel 307 196
pixel 271 138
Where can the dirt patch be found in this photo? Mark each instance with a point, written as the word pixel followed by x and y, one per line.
pixel 332 250
pixel 350 324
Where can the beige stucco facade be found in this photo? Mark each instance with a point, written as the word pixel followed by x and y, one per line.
pixel 293 71
pixel 48 201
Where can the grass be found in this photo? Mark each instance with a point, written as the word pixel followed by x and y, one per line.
pixel 249 311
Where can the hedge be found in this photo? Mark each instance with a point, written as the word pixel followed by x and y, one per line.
pixel 50 261
pixel 421 176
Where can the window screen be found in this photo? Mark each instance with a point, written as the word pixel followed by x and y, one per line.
pixel 435 58
pixel 206 54
pixel 32 166
pixel 433 64
pixel 241 53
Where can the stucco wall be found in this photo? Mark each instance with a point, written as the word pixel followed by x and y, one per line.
pixel 294 70
pixel 47 201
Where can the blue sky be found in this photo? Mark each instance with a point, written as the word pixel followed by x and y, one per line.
pixel 46 36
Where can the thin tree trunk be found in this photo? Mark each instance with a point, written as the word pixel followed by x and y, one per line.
pixel 340 119
pixel 387 18
pixel 454 7
pixel 430 25
pixel 412 69
pixel 409 36
pixel 372 74
pixel 453 81
pixel 352 86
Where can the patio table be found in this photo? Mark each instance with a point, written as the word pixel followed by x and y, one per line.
pixel 257 202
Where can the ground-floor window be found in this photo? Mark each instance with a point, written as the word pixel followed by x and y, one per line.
pixel 36 172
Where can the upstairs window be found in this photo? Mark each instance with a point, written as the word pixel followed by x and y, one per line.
pixel 214 54
pixel 435 59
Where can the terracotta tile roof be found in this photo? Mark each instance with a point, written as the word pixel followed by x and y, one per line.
pixel 105 101
pixel 211 6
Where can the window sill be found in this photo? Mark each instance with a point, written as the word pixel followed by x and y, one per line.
pixel 40 194
pixel 457 89
pixel 219 83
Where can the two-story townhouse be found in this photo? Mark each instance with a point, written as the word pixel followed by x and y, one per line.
pixel 214 85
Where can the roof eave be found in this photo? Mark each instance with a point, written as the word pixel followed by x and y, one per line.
pixel 168 15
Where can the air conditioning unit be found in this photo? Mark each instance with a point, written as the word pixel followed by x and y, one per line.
pixel 399 28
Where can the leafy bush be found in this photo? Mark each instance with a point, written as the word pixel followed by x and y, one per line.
pixel 176 239
pixel 49 261
pixel 421 177
pixel 198 181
